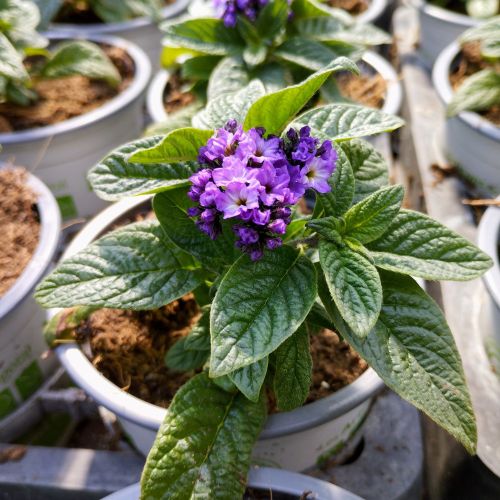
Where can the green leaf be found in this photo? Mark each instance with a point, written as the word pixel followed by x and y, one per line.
pixel 490 49
pixel 249 379
pixel 11 63
pixel 293 375
pixel 199 67
pixel 413 351
pixel 314 8
pixel 273 76
pixel 340 122
pixel 328 227
pixel 254 54
pixel 177 146
pixel 371 171
pixel 81 58
pixel 318 319
pixel 478 92
pixel 229 106
pixel 354 285
pixel 135 267
pixel 182 359
pixel 371 217
pixel 272 20
pixel 274 111
pixel 204 444
pixel 258 306
pixel 199 337
pixel 48 10
pixel 482 9
pixel 18 21
pixel 228 77
pixel 171 209
pixel 204 35
pixel 116 177
pixel 418 245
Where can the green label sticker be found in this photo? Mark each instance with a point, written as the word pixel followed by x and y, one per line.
pixel 67 206
pixel 30 380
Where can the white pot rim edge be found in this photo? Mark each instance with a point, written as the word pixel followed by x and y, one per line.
pixel 50 226
pixel 130 94
pixel 441 81
pixel 133 409
pixel 374 11
pixel 444 14
pixel 488 238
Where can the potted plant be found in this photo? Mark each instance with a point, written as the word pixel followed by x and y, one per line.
pixel 467 79
pixel 266 481
pixel 76 92
pixel 285 44
pixel 488 240
pixel 270 276
pixel 443 21
pixel 30 222
pixel 128 19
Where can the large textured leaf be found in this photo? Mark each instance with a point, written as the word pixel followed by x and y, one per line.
pixel 171 209
pixel 370 218
pixel 354 285
pixel 11 63
pixel 228 77
pixel 249 379
pixel 177 146
pixel 258 306
pixel 273 76
pixel 413 351
pixel 274 111
pixel 19 20
pixel 181 358
pixel 340 122
pixel 81 58
pixel 203 447
pixel 369 166
pixel 116 177
pixel 229 106
pixel 293 375
pixel 204 35
pixel 418 245
pixel 135 267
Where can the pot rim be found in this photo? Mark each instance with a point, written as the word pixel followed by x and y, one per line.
pixel 441 81
pixel 148 415
pixel 444 14
pixel 103 28
pixel 277 480
pixel 114 105
pixel 50 227
pixel 374 11
pixel 392 99
pixel 488 239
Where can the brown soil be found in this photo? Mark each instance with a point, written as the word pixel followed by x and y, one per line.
pixel 175 96
pixel 368 90
pixel 354 7
pixel 470 62
pixel 19 226
pixel 64 98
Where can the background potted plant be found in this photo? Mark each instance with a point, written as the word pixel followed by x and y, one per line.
pixel 71 93
pixel 31 223
pixel 442 22
pixel 266 285
pixel 467 79
pixel 135 21
pixel 284 44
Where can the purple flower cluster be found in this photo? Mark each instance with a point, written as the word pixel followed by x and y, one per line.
pixel 256 179
pixel 228 10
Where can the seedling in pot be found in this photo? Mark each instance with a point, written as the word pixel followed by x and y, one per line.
pixel 480 9
pixel 225 197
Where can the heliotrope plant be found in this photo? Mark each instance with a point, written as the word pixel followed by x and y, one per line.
pixel 267 277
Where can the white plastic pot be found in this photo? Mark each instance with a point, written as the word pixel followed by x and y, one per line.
pixel 141 31
pixel 438 28
pixel 392 102
pixel 489 242
pixel 470 141
pixel 23 369
pixel 63 153
pixel 293 440
pixel 274 480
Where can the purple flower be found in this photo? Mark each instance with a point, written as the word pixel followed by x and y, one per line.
pixel 265 150
pixel 316 174
pixel 229 9
pixel 238 198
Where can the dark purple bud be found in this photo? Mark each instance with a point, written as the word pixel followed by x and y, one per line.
pixel 273 243
pixel 193 211
pixel 277 226
pixel 256 254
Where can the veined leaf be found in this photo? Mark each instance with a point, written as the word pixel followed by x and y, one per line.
pixel 249 379
pixel 258 306
pixel 318 319
pixel 354 285
pixel 228 77
pixel 272 19
pixel 116 177
pixel 315 8
pixel 135 267
pixel 329 227
pixel 11 63
pixel 418 245
pixel 181 359
pixel 204 444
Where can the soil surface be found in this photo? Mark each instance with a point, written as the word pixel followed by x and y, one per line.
pixel 354 7
pixel 470 62
pixel 19 225
pixel 368 90
pixel 128 348
pixel 64 98
pixel 175 96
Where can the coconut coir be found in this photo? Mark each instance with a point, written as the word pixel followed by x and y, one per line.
pixel 368 90
pixel 176 96
pixel 354 7
pixel 19 225
pixel 64 98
